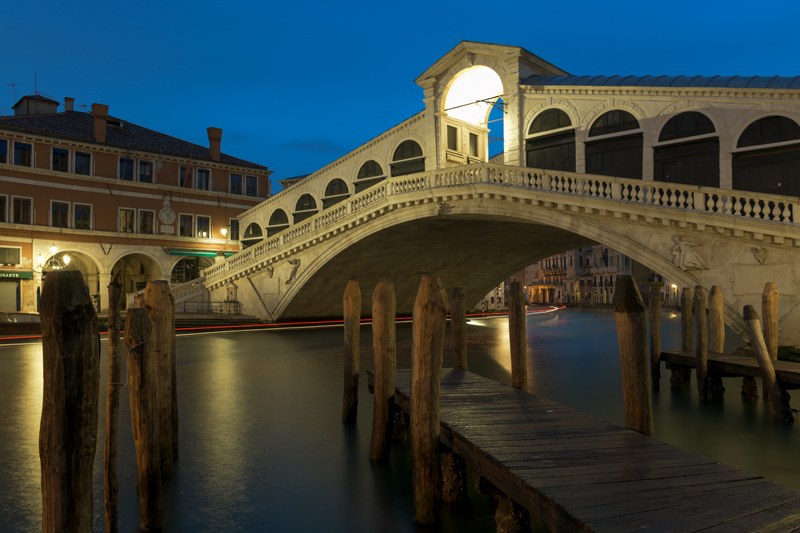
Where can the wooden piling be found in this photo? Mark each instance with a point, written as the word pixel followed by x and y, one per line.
pixel 517 334
pixel 780 401
pixel 160 306
pixel 71 375
pixel 655 334
pixel 352 338
pixel 716 338
pixel 769 308
pixel 681 376
pixel 384 312
pixel 629 315
pixel 111 488
pixel 454 479
pixel 145 416
pixel 701 345
pixel 430 315
pixel 458 327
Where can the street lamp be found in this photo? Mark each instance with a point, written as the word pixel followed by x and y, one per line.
pixel 224 231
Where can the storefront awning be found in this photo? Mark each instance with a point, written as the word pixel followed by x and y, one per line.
pixel 198 253
pixel 16 275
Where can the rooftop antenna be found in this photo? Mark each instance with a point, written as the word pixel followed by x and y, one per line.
pixel 14 92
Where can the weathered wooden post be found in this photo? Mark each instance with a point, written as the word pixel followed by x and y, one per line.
pixel 68 430
pixel 510 516
pixel 769 308
pixel 430 316
pixel 655 333
pixel 717 338
pixel 384 312
pixel 352 338
pixel 458 327
pixel 681 375
pixel 112 407
pixel 629 315
pixel 160 306
pixel 145 419
pixel 517 334
pixel 780 401
pixel 701 346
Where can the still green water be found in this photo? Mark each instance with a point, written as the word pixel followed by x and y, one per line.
pixel 263 447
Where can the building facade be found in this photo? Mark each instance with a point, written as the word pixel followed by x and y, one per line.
pixel 99 194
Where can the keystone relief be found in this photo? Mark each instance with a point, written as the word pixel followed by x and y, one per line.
pixel 684 255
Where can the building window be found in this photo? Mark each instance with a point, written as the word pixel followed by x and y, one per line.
pixel 60 160
pixel 202 179
pixel 613 122
pixel 203 227
pixel 127 220
pixel 278 221
pixel 182 176
pixel 554 151
pixel 234 229
pixel 3 151
pixel 146 219
pixel 452 138
pixel 185 225
pixel 22 154
pixel 252 186
pixel 60 215
pixel 146 172
pixel 252 235
pixel 10 256
pixel 473 144
pixel 236 184
pixel 126 169
pixel 82 163
pixel 22 211
pixel 3 208
pixel 82 216
pixel 407 159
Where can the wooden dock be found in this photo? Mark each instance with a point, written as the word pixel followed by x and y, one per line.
pixel 577 473
pixel 725 365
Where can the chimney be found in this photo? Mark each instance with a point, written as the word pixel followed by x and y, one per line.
pixel 100 114
pixel 68 103
pixel 214 138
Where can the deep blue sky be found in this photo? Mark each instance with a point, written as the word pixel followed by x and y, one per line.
pixel 295 85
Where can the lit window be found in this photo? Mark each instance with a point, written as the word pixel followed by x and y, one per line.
pixel 60 160
pixel 22 211
pixel 146 172
pixel 185 226
pixel 82 163
pixel 252 186
pixel 126 220
pixel 203 225
pixel 236 184
pixel 60 217
pixel 146 221
pixel 126 169
pixel 82 216
pixel 22 154
pixel 202 179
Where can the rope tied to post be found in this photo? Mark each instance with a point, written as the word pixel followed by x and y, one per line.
pixel 127 361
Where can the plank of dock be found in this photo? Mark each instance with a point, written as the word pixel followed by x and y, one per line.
pixel 738 365
pixel 578 473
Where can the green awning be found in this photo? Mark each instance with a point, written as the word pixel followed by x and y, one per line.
pixel 16 275
pixel 198 253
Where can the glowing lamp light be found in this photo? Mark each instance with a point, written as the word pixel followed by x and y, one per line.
pixel 66 259
pixel 204 234
pixel 224 231
pixel 674 286
pixel 53 249
pixel 40 260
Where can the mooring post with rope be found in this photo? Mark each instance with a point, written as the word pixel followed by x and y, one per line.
pixel 68 430
pixel 142 385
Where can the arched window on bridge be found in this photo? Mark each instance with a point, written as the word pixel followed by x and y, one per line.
pixel 335 192
pixel 369 174
pixel 760 164
pixel 620 155
pixel 407 159
pixel 252 235
pixel 306 207
pixel 278 222
pixel 694 161
pixel 548 144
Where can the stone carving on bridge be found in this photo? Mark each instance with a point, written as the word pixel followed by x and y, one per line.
pixel 761 254
pixel 270 271
pixel 295 265
pixel 684 255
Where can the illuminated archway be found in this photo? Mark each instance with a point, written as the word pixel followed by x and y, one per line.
pixel 471 95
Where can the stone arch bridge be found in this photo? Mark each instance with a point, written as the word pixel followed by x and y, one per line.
pixel 474 225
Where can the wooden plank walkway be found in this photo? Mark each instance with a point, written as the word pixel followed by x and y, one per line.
pixel 738 365
pixel 578 473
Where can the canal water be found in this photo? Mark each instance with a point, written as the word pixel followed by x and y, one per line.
pixel 263 447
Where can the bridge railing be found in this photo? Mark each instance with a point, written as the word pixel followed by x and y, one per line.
pixel 748 205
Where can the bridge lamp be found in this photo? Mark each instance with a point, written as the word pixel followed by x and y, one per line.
pixel 224 231
pixel 66 259
pixel 53 249
pixel 40 260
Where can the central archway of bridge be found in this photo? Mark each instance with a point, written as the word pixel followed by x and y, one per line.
pixel 473 253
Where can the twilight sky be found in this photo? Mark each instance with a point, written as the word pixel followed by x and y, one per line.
pixel 295 85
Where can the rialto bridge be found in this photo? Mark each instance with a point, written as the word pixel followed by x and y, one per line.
pixel 708 193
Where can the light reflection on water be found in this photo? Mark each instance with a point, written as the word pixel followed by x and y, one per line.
pixel 263 446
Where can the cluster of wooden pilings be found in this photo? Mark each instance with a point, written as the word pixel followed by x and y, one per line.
pixel 67 438
pixel 439 475
pixel 707 314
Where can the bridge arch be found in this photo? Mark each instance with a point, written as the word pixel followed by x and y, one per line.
pixel 306 204
pixel 472 84
pixel 369 171
pixel 469 62
pixel 622 105
pixel 336 191
pixel 407 154
pixel 765 156
pixel 564 105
